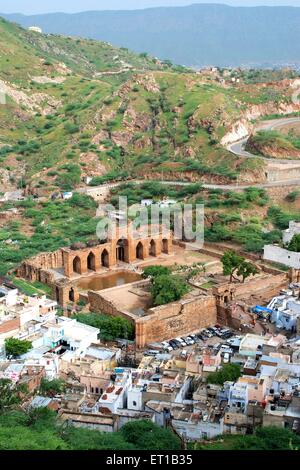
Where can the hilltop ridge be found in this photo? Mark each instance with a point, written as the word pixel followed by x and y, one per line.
pixel 195 35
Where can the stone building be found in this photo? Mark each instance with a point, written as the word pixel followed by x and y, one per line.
pixel 61 268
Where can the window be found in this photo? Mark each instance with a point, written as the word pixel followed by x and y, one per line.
pixel 97 390
pixel 92 389
pixel 134 403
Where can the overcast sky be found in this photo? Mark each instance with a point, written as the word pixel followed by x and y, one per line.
pixel 45 6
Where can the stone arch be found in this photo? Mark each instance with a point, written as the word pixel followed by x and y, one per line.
pixel 71 295
pixel 165 246
pixel 122 251
pixel 139 251
pixel 152 248
pixel 91 261
pixel 77 265
pixel 105 259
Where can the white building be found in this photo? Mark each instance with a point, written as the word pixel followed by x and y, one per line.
pixel 21 315
pixel 135 397
pixel 70 335
pixel 280 255
pixel 286 311
pixel 35 29
pixel 294 229
pixel 115 396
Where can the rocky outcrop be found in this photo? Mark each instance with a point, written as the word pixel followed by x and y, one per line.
pixel 243 127
pixel 44 79
pixel 239 130
pixel 37 102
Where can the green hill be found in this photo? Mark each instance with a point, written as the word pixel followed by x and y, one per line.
pixel 80 108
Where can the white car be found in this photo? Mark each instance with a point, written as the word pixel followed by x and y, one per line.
pixel 207 333
pixel 226 358
pixel 181 341
pixel 194 338
pixel 189 341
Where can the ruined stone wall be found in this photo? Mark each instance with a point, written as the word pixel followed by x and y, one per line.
pixel 35 269
pixel 164 322
pixel 98 303
pixel 227 294
pixel 269 284
pixel 176 319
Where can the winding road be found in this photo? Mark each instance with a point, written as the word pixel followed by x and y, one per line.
pixel 238 148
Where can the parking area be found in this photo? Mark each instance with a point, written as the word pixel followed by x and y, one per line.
pixel 215 338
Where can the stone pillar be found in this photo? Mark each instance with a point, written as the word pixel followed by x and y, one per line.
pixel 112 254
pixel 157 247
pixel 67 264
pixel 97 253
pixel 83 257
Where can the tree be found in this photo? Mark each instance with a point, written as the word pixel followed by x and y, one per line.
pixel 265 438
pixel 52 387
pixel 294 244
pixel 167 288
pixel 15 347
pixel 228 373
pixel 246 270
pixel 155 271
pixel 10 394
pixel 236 264
pixel 146 435
pixel 110 327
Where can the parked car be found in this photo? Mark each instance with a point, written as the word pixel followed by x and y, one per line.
pixel 226 358
pixel 208 333
pixel 226 333
pixel 201 335
pixel 173 344
pixel 189 341
pixel 212 331
pixel 225 349
pixel 194 337
pixel 151 353
pixel 166 345
pixel 181 341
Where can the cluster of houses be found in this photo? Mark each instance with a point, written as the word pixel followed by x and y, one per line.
pixel 170 389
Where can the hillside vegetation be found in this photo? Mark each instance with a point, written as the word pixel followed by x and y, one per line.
pixel 78 108
pixel 275 144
